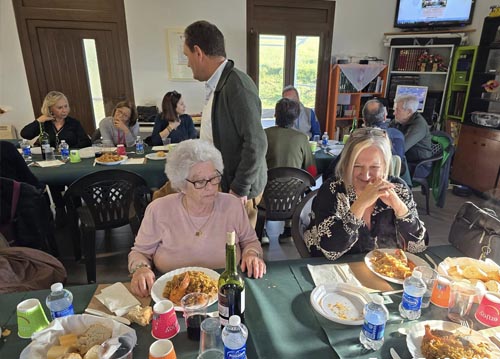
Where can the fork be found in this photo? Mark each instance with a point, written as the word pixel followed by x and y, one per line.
pixel 464 323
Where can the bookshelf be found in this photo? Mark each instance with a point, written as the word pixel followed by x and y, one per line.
pixel 349 87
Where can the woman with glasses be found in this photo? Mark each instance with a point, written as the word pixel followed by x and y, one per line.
pixel 360 208
pixel 122 126
pixel 173 122
pixel 189 228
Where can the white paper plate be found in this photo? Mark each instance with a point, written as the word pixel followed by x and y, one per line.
pixel 155 157
pixel 124 158
pixel 449 262
pixel 417 260
pixel 159 284
pixel 87 152
pixel 38 150
pixel 341 303
pixel 417 331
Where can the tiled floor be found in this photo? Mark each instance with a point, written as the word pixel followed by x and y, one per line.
pixel 113 267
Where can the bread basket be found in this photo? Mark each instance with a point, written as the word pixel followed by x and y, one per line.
pixel 487 119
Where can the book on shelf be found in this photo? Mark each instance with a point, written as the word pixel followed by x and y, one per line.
pixel 407 59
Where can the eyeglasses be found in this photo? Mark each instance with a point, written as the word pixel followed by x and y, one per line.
pixel 200 184
pixel 361 132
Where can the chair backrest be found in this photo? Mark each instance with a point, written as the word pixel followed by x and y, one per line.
pixel 142 198
pixel 286 186
pixel 96 135
pixel 395 169
pixel 300 222
pixel 108 194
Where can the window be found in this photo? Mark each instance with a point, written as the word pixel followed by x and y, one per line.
pixel 94 80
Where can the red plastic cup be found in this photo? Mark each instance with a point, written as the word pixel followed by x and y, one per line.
pixel 165 323
pixel 121 150
pixel 488 311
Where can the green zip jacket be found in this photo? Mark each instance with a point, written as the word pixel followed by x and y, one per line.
pixel 238 133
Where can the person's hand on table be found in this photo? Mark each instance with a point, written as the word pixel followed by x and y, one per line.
pixel 253 265
pixel 142 282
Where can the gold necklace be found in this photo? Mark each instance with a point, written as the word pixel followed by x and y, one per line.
pixel 199 231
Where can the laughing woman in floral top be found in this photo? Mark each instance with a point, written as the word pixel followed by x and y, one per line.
pixel 360 208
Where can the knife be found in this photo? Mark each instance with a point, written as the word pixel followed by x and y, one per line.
pixel 429 258
pixel 106 315
pixel 394 354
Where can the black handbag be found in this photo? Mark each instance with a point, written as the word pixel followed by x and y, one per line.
pixel 476 232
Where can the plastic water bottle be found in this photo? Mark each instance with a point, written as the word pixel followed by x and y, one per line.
pixel 64 149
pixel 26 148
pixel 234 337
pixel 414 289
pixel 324 140
pixel 376 315
pixel 59 301
pixel 139 146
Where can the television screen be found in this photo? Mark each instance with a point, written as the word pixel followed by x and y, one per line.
pixel 419 91
pixel 430 13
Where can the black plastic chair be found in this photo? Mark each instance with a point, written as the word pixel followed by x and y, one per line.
pixel 101 201
pixel 300 222
pixel 285 188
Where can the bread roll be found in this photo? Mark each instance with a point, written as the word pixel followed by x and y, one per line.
pixel 473 272
pixel 455 272
pixel 71 356
pixel 493 275
pixel 68 339
pixel 93 353
pixel 492 286
pixel 96 334
pixel 140 315
pixel 57 351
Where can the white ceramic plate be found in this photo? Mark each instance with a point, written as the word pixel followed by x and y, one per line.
pixel 417 260
pixel 155 157
pixel 124 158
pixel 417 331
pixel 339 302
pixel 159 285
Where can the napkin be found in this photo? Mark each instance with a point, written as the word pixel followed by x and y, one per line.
pixel 53 163
pixel 327 273
pixel 117 299
pixel 160 148
pixel 134 161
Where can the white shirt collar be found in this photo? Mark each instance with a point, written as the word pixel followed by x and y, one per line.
pixel 212 82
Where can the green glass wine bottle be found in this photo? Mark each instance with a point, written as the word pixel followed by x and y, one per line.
pixel 231 286
pixel 354 123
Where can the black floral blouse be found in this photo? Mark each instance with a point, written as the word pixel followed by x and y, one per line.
pixel 335 230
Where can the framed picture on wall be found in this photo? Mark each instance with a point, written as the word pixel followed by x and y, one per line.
pixel 178 62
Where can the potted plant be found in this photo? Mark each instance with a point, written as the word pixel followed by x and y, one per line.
pixel 423 60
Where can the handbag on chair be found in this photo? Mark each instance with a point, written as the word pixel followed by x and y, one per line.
pixel 476 232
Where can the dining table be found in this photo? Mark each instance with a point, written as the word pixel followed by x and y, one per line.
pixel 281 320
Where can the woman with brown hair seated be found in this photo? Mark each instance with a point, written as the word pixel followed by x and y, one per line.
pixel 122 126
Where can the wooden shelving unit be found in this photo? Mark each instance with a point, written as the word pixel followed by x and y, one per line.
pixel 345 101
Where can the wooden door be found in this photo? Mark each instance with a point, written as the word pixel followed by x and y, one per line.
pixel 54 54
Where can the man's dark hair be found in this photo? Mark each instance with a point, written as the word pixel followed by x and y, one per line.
pixel 286 112
pixel 375 114
pixel 206 36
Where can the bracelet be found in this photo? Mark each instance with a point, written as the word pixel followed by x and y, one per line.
pixel 403 216
pixel 139 266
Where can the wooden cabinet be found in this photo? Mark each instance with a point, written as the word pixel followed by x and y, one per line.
pixel 477 159
pixel 346 98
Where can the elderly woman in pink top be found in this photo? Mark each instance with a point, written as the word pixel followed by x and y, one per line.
pixel 189 228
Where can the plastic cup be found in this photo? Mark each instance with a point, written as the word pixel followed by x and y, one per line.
pixel 74 156
pixel 211 339
pixel 121 150
pixel 316 138
pixel 488 312
pixel 108 146
pixel 166 142
pixel 314 145
pixel 195 311
pixel 429 276
pixel 462 296
pixel 441 291
pixel 165 324
pixel 345 138
pixel 162 349
pixel 98 149
pixel 30 318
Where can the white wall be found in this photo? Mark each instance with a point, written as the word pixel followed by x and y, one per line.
pixel 358 31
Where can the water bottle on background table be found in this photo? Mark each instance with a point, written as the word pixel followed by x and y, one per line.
pixel 26 148
pixel 234 337
pixel 47 153
pixel 414 290
pixel 59 301
pixel 139 146
pixel 372 332
pixel 324 140
pixel 64 150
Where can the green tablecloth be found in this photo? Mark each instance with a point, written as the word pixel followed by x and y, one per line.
pixel 280 318
pixel 322 160
pixel 152 171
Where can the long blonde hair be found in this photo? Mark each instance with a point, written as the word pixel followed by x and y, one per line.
pixel 50 100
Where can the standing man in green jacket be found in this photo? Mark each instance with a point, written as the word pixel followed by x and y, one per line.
pixel 231 118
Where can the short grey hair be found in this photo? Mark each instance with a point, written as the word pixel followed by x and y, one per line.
pixel 373 115
pixel 185 155
pixel 409 102
pixel 352 149
pixel 290 88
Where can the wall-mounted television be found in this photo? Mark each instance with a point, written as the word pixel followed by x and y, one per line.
pixel 419 91
pixel 433 13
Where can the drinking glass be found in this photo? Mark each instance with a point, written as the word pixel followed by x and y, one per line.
pixel 211 346
pixel 462 296
pixel 195 311
pixel 429 276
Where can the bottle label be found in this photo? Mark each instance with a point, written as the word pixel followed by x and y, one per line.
pixel 27 151
pixel 373 331
pixel 410 302
pixel 65 152
pixel 231 302
pixel 240 353
pixel 63 313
